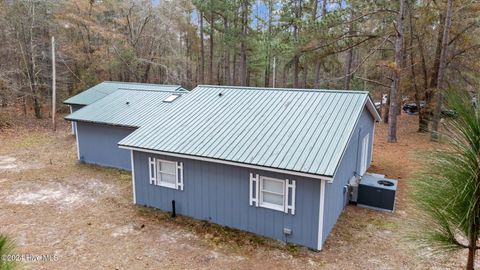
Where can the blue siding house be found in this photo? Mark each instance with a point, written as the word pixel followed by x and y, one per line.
pixel 274 162
pixel 103 123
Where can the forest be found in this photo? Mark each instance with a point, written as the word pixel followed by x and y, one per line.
pixel 400 51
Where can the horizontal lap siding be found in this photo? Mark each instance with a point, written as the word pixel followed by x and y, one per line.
pixel 98 145
pixel 334 192
pixel 220 194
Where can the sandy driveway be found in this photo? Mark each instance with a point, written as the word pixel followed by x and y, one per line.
pixel 81 214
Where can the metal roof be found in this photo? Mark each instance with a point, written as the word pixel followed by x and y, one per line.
pixel 297 130
pixel 105 88
pixel 127 107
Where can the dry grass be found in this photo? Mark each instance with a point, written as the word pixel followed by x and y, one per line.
pixel 50 204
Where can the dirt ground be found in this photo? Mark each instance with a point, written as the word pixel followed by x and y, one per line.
pixel 52 205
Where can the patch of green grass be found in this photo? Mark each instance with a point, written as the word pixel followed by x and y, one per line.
pixel 292 248
pixel 7 256
pixel 122 175
pixel 384 223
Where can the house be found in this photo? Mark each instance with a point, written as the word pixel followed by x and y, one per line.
pixel 274 162
pixel 103 123
pixel 103 89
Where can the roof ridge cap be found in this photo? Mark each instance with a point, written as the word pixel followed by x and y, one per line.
pixel 283 89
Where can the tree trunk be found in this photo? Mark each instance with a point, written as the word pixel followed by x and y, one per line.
pixel 296 57
pixel 305 75
pixel 268 54
pixel 349 56
pixel 266 81
pixel 234 71
pixel 33 70
pixel 219 74
pixel 226 62
pixel 429 93
pixel 348 67
pixel 441 71
pixel 243 45
pixel 318 64
pixel 147 72
pixel 296 68
pixel 24 105
pixel 202 51
pixel 412 60
pixel 314 9
pixel 324 8
pixel 392 112
pixel 422 113
pixel 318 67
pixel 210 61
pixel 37 107
pixel 284 76
pixel 471 256
pixel 234 66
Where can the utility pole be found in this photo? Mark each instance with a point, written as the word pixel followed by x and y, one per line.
pixel 54 87
pixel 274 71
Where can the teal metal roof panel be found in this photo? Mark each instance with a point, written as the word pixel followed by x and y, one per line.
pixel 290 129
pixel 103 89
pixel 127 107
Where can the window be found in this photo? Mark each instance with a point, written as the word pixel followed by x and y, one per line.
pixel 171 98
pixel 272 193
pixel 166 173
pixel 364 154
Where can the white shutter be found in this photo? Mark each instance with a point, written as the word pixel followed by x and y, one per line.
pixel 253 189
pixel 152 170
pixel 290 190
pixel 180 175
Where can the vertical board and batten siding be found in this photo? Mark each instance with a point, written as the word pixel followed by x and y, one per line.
pixel 74 108
pixel 350 163
pixel 98 145
pixel 220 194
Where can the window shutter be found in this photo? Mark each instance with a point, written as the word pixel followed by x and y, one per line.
pixel 290 193
pixel 254 186
pixel 180 175
pixel 152 170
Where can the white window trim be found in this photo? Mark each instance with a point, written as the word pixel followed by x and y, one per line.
pixel 270 205
pixel 133 177
pixel 159 174
pixel 78 142
pixel 253 193
pixel 321 211
pixel 73 123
